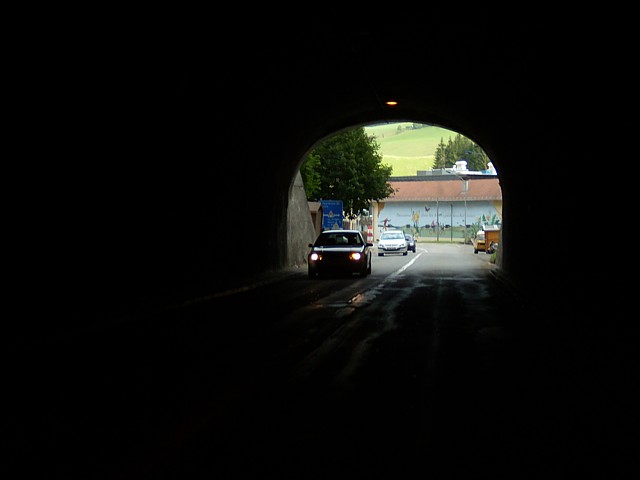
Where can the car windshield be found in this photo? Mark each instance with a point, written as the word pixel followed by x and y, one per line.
pixel 392 236
pixel 339 239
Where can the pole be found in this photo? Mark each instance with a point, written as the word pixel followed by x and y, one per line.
pixel 451 223
pixel 465 218
pixel 465 189
pixel 437 220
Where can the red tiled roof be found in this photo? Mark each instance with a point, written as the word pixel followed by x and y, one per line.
pixel 432 190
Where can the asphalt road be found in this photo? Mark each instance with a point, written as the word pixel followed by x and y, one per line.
pixel 429 367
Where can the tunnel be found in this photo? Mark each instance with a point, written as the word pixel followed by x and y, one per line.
pixel 166 144
pixel 168 154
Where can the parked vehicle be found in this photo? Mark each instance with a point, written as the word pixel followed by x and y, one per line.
pixel 392 241
pixel 487 239
pixel 479 243
pixel 340 252
pixel 411 242
pixel 491 237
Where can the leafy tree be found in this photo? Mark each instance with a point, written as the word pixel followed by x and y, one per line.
pixel 311 175
pixel 347 166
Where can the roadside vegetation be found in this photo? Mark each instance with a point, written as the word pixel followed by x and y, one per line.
pixel 347 166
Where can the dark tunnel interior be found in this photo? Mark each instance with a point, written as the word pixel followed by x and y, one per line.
pixel 154 159
pixel 153 141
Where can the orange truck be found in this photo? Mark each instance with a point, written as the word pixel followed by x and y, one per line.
pixel 491 237
pixel 487 239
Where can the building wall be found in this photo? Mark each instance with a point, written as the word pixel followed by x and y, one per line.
pixel 431 214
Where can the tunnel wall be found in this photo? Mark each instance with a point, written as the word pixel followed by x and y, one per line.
pixel 300 228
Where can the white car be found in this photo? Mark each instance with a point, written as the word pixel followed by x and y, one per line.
pixel 392 241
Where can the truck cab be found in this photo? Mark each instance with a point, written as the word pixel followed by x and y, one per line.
pixel 479 243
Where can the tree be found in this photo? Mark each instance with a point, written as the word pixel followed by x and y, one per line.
pixel 311 175
pixel 476 158
pixel 347 166
pixel 460 148
pixel 440 156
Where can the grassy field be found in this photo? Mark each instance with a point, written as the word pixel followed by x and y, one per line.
pixel 408 150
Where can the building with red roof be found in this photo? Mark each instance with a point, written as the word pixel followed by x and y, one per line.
pixel 430 204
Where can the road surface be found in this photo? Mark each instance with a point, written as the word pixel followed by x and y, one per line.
pixel 429 367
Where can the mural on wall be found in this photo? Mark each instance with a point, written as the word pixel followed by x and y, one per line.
pixel 415 219
pixel 429 217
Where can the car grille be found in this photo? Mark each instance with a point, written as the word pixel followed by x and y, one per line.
pixel 334 258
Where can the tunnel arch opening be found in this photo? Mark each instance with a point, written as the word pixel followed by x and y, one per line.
pixel 467 214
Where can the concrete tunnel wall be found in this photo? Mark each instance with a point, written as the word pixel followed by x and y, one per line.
pixel 300 228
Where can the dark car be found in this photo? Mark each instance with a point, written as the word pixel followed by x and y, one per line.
pixel 340 252
pixel 411 243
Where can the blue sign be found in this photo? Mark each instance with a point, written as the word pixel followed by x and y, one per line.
pixel 331 214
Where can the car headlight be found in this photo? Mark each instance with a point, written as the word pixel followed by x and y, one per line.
pixel 356 256
pixel 314 256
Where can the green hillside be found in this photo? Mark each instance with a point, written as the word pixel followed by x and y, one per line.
pixel 408 150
